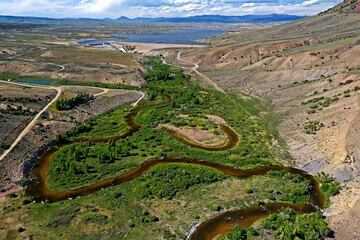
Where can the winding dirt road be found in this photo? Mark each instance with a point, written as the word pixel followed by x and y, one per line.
pixel 33 122
pixel 207 79
pixel 59 92
pixel 139 100
pixel 201 75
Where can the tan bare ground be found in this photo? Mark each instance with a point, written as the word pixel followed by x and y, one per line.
pixel 73 90
pixel 216 119
pixel 62 42
pixel 345 208
pixel 198 136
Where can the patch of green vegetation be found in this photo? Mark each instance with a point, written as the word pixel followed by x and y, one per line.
pixel 319 103
pixel 63 82
pixel 328 186
pixel 297 189
pixel 238 233
pixel 289 225
pixel 312 127
pixel 7 76
pixel 70 103
pixel 97 218
pixel 286 225
pixel 109 124
pixel 166 182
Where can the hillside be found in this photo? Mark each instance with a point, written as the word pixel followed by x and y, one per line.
pixel 347 6
pixel 310 71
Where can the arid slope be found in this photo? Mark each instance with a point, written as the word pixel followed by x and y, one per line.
pixel 310 70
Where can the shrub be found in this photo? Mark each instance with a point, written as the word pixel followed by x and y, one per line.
pixel 289 225
pixel 238 233
pixel 311 127
pixel 328 186
pixel 67 104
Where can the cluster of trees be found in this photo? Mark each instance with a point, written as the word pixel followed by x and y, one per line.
pixel 167 181
pixel 70 103
pixel 328 186
pixel 6 76
pixel 297 190
pixel 94 84
pixel 160 72
pixel 286 225
pixel 312 127
pixel 239 233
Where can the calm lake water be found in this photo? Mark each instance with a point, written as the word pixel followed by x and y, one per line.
pixel 37 81
pixel 176 36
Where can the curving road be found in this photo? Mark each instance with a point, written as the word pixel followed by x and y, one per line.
pixel 201 75
pixel 207 79
pixel 139 100
pixel 33 122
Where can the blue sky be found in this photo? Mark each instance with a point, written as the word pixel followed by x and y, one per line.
pixel 156 8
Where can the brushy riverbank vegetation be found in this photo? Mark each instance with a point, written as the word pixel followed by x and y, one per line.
pixel 286 225
pixel 166 200
pixel 62 82
pixel 173 99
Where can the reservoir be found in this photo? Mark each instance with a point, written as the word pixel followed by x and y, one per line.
pixel 176 36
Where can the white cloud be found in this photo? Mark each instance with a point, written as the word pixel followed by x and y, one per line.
pixel 310 2
pixel 97 6
pixel 156 8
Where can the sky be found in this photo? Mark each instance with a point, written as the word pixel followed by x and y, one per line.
pixel 159 8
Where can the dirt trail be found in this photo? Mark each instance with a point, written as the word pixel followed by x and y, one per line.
pixel 104 91
pixel 33 122
pixel 139 100
pixel 201 75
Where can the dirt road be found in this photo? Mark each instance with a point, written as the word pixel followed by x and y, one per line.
pixel 33 122
pixel 196 71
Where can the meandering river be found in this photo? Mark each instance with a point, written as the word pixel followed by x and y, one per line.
pixel 206 230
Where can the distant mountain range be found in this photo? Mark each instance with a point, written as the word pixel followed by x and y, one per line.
pixel 219 19
pixel 271 18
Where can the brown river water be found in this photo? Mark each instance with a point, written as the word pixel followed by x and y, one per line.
pixel 207 230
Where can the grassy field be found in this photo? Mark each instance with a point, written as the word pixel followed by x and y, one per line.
pixel 107 125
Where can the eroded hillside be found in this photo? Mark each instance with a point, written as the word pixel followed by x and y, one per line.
pixel 310 70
